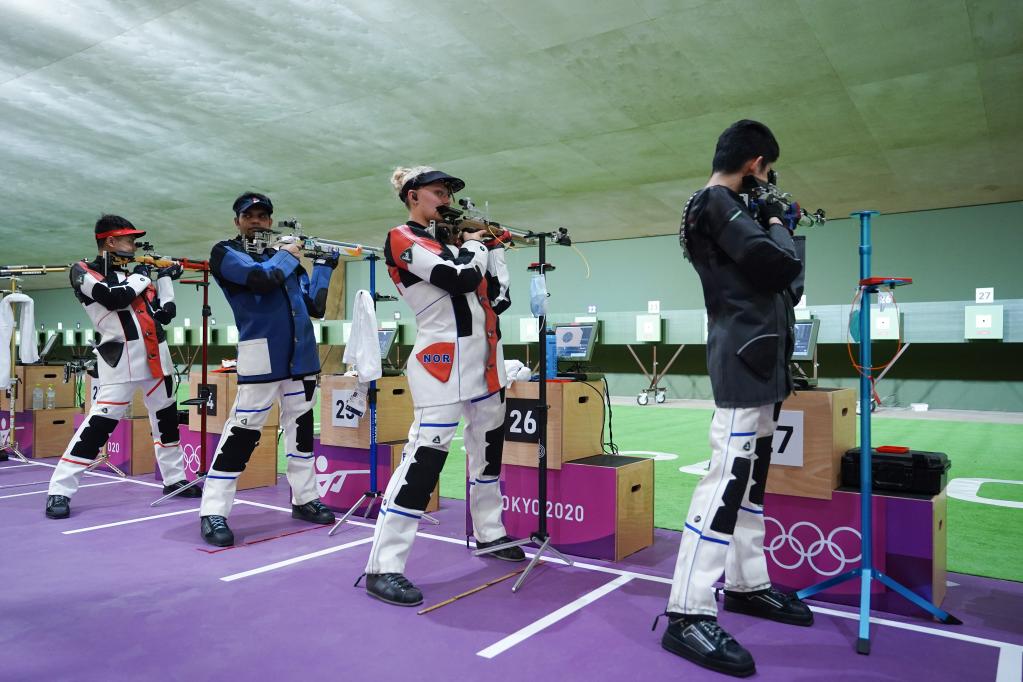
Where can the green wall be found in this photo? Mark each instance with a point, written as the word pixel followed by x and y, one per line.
pixel 948 253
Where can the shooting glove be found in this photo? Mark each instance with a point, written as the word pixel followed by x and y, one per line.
pixel 330 260
pixel 173 271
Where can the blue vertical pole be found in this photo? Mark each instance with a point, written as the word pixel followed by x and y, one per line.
pixel 866 391
pixel 372 259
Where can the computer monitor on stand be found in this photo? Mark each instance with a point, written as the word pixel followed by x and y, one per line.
pixel 573 344
pixel 805 350
pixel 386 338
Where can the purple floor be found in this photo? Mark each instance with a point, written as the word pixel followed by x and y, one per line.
pixel 147 600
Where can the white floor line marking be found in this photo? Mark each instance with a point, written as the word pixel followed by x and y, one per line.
pixel 23 485
pixel 129 479
pixel 948 634
pixel 128 521
pixel 295 560
pixel 1010 664
pixel 15 466
pixel 43 492
pixel 552 618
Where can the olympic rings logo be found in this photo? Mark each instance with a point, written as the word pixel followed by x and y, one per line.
pixel 808 552
pixel 190 454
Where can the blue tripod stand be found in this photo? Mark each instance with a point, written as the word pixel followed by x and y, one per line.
pixel 866 571
pixel 374 495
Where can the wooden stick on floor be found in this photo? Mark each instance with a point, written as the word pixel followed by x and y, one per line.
pixel 469 592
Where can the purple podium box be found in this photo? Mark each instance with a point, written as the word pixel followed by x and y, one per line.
pixel 260 471
pixel 24 426
pixel 342 475
pixel 599 507
pixel 810 540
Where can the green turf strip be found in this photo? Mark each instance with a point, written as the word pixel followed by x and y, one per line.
pixel 1001 491
pixel 977 539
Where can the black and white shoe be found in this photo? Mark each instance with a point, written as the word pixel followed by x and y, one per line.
pixel 215 531
pixel 58 507
pixel 393 588
pixel 313 512
pixel 194 491
pixel 506 554
pixel 771 604
pixel 702 641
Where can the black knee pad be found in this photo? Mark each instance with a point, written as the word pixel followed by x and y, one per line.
pixel 726 516
pixel 304 432
pixel 760 467
pixel 309 388
pixel 167 424
pixel 494 443
pixel 777 412
pixel 421 478
pixel 237 449
pixel 168 385
pixel 93 437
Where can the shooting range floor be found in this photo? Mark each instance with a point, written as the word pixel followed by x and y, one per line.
pixel 148 600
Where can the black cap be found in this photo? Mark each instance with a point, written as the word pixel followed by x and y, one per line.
pixel 247 201
pixel 429 177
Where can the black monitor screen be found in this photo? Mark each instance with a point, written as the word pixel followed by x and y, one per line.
pixel 806 339
pixel 386 337
pixel 574 342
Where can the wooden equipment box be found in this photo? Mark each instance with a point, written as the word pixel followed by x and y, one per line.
pixel 824 430
pixel 600 507
pixel 52 431
pixel 394 412
pixel 29 376
pixel 224 390
pixel 575 421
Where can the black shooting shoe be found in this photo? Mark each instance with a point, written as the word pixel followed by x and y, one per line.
pixel 313 512
pixel 771 604
pixel 58 506
pixel 393 588
pixel 702 641
pixel 194 491
pixel 506 554
pixel 215 531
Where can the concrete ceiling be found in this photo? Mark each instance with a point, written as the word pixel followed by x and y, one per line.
pixel 600 115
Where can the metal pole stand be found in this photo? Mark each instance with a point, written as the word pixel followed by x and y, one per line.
pixel 104 460
pixel 866 571
pixel 653 376
pixel 10 447
pixel 539 537
pixel 374 495
pixel 202 401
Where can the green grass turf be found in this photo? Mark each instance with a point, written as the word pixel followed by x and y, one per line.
pixel 978 543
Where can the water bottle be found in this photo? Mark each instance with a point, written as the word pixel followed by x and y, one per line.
pixel 552 355
pixel 37 397
pixel 51 397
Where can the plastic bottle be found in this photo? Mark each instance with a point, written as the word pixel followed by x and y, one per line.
pixel 37 397
pixel 51 397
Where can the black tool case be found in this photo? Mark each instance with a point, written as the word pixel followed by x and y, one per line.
pixel 914 471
